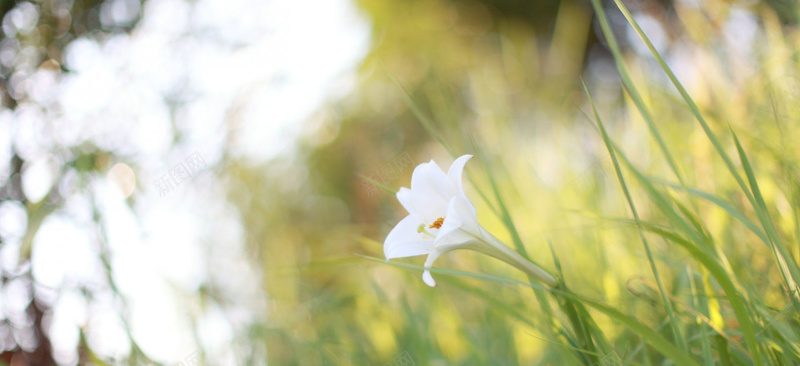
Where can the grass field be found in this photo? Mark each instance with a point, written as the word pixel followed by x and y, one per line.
pixel 664 196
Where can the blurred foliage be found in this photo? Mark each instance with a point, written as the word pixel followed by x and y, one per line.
pixel 34 36
pixel 506 76
pixel 512 85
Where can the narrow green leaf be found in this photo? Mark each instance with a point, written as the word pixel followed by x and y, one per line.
pixel 725 205
pixel 676 331
pixel 688 99
pixel 656 340
pixel 782 256
pixel 724 352
pixel 731 291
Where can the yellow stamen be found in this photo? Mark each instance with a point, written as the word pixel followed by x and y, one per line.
pixel 437 224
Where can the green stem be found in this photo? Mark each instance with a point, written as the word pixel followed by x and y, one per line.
pixel 503 252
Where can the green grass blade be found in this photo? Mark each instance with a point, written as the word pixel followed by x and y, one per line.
pixel 725 205
pixel 637 99
pixel 732 292
pixel 627 82
pixel 724 352
pixel 656 340
pixel 688 99
pixel 699 304
pixel 784 259
pixel 677 334
pixel 505 217
pixel 755 197
pixel 579 320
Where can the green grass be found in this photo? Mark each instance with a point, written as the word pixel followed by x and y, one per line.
pixel 685 255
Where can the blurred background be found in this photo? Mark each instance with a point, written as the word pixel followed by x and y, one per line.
pixel 186 181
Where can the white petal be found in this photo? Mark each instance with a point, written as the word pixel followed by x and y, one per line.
pixel 428 279
pixel 426 275
pixel 431 191
pixel 409 249
pixel 405 241
pixel 454 238
pixel 461 224
pixel 457 170
pixel 404 196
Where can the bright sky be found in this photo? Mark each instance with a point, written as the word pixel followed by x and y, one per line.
pixel 248 72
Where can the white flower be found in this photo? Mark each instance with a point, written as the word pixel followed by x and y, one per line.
pixel 441 218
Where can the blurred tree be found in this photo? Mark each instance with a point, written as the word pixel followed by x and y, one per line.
pixel 34 36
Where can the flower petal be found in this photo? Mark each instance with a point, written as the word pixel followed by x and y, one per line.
pixel 456 171
pixel 426 275
pixel 461 224
pixel 428 279
pixel 409 249
pixel 405 241
pixel 430 191
pixel 404 196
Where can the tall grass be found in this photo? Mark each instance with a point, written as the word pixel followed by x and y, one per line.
pixel 668 212
pixel 755 339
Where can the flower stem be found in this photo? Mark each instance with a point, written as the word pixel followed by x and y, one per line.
pixel 504 253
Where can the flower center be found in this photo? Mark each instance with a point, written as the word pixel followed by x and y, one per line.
pixel 437 224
